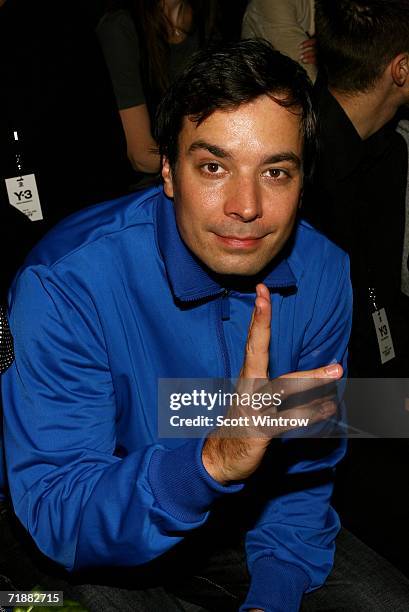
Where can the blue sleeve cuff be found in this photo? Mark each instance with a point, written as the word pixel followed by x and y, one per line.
pixel 276 586
pixel 181 484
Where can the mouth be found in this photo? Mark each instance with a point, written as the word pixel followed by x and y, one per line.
pixel 238 242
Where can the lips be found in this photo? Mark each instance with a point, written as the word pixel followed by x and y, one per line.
pixel 238 242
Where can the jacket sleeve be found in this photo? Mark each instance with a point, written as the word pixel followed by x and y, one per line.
pixel 291 548
pixel 83 505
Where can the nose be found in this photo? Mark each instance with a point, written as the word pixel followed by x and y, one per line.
pixel 244 200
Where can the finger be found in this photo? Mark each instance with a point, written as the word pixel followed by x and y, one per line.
pixel 298 382
pixel 310 43
pixel 307 45
pixel 308 58
pixel 306 416
pixel 330 371
pixel 291 419
pixel 256 357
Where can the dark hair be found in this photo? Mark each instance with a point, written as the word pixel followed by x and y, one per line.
pixel 152 26
pixel 358 38
pixel 224 77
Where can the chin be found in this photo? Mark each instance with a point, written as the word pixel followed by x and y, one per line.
pixel 235 268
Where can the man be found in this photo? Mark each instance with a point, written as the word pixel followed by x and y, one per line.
pixel 364 47
pixel 163 285
pixel 359 199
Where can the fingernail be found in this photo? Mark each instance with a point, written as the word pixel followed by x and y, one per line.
pixel 332 371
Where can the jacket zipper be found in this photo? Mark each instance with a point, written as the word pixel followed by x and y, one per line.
pixel 220 332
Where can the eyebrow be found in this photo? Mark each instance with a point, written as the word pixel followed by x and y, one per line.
pixel 213 149
pixel 288 156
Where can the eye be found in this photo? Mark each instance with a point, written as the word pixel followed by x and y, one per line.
pixel 276 174
pixel 213 168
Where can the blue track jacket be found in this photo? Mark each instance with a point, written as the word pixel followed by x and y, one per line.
pixel 110 301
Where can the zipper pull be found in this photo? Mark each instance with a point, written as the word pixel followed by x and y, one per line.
pixel 225 305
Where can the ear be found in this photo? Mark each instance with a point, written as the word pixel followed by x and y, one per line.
pixel 167 178
pixel 400 69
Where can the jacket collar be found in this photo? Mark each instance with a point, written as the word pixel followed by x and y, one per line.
pixel 189 279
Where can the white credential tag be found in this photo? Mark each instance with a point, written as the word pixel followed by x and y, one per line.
pixel 383 334
pixel 23 195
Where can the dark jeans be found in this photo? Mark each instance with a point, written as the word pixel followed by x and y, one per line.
pixel 361 580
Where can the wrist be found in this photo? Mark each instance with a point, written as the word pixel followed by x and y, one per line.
pixel 212 460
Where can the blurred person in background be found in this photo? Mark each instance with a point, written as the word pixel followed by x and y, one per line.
pixel 364 52
pixel 146 43
pixel 360 201
pixel 288 25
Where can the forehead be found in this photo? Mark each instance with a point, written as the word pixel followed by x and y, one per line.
pixel 261 124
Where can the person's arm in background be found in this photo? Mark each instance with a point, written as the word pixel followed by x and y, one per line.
pixel 119 41
pixel 284 24
pixel 290 549
pixel 141 148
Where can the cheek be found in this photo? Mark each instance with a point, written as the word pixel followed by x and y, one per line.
pixel 207 195
pixel 209 191
pixel 282 211
pixel 191 218
pixel 291 214
pixel 199 204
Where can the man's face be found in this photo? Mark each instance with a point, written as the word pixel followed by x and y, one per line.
pixel 237 185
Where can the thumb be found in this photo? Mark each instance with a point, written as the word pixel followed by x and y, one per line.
pixel 256 358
